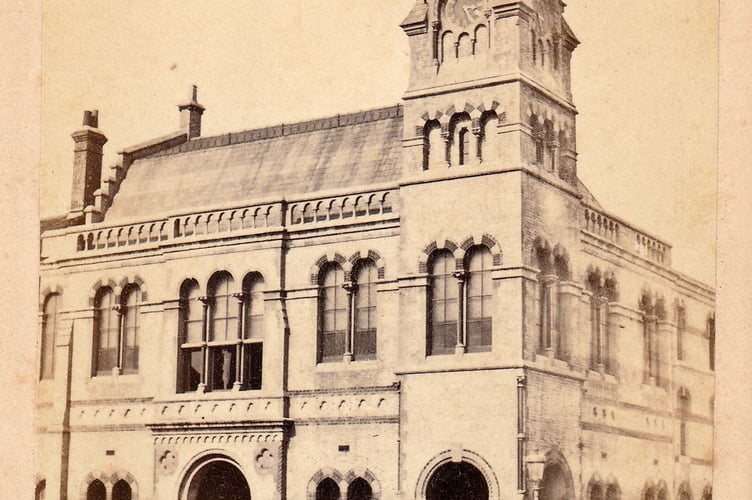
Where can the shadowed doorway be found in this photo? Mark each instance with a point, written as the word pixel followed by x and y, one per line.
pixel 457 481
pixel 218 480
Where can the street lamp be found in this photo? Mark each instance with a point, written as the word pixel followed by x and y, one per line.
pixel 536 462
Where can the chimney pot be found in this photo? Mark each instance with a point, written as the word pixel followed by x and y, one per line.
pixel 190 115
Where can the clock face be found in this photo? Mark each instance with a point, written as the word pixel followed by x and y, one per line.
pixel 463 12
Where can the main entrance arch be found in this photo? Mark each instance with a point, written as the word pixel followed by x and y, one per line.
pixel 457 481
pixel 217 479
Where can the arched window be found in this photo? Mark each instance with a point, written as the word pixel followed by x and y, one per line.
pixel 434 148
pixel 460 302
pixel 534 46
pixel 96 491
pixel 489 145
pixel 681 326
pixel 224 316
pixel 191 337
pixel 596 492
pixel 39 491
pixel 253 332
pixel 481 40
pixel 478 289
pixel 683 404
pixel 49 329
pixel 464 46
pixel 116 326
pixel 332 314
pixel 685 492
pixel 443 304
pixel 603 290
pixel 448 51
pixel 650 339
pixel 121 491
pixel 464 146
pixel 131 303
pixel 327 490
pixel 359 489
pixel 364 334
pixel 106 332
pixel 221 334
pixel 613 492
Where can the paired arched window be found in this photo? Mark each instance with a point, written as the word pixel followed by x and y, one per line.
pixel 327 489
pixel 49 330
pixel 347 313
pixel 116 330
pixel 603 291
pixel 459 315
pixel 553 267
pixel 221 334
pixel 652 310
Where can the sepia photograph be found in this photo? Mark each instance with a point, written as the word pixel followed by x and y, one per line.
pixel 366 250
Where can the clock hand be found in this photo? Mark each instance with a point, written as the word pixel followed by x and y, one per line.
pixel 468 9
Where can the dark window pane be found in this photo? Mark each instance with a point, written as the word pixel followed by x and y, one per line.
pixel 106 333
pixel 192 366
pixel 96 491
pixel 254 357
pixel 222 366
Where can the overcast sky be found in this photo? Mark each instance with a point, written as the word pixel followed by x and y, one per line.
pixel 644 82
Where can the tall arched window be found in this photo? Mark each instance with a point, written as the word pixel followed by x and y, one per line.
pixel 253 332
pixel 49 329
pixel 434 148
pixel 191 337
pixel 443 304
pixel 116 325
pixel 332 314
pixel 221 334
pixel 681 326
pixel 479 299
pixel 96 491
pixel 464 146
pixel 121 491
pixel 131 303
pixel 683 404
pixel 327 490
pixel 489 145
pixel 224 316
pixel 364 331
pixel 106 332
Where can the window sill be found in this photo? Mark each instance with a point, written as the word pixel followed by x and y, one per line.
pixel 343 366
pixel 602 377
pixel 219 395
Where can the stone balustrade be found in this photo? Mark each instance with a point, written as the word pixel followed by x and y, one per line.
pixel 342 208
pixel 98 238
pixel 621 234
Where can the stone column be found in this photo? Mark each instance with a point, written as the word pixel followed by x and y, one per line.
pixel 461 277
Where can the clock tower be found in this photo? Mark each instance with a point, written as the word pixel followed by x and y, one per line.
pixel 501 67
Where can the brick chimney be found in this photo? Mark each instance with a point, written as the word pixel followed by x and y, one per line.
pixel 190 115
pixel 87 164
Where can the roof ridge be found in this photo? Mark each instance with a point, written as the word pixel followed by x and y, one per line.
pixel 286 129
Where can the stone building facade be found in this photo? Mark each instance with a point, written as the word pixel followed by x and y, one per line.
pixel 416 302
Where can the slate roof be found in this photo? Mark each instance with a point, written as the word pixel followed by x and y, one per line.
pixel 337 152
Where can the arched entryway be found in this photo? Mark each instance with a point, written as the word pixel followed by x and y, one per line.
pixel 457 481
pixel 359 489
pixel 557 482
pixel 96 491
pixel 218 480
pixel 327 490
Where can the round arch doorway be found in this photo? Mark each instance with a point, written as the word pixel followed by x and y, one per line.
pixel 457 481
pixel 218 480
